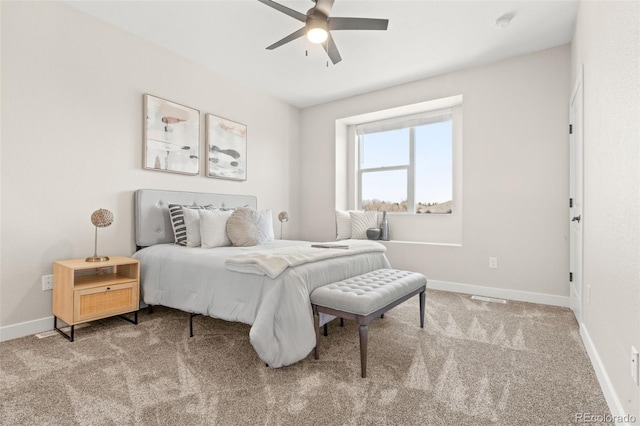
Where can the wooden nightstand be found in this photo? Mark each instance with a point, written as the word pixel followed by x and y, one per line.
pixel 86 291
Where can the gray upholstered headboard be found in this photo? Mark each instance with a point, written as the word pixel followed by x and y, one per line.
pixel 151 208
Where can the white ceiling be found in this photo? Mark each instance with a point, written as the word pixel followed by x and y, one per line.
pixel 425 38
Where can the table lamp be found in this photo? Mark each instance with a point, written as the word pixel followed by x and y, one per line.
pixel 101 218
pixel 283 217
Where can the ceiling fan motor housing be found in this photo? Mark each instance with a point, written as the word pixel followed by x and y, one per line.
pixel 317 26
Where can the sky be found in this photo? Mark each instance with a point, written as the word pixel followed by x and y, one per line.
pixel 434 164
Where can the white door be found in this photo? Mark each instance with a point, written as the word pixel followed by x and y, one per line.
pixel 576 220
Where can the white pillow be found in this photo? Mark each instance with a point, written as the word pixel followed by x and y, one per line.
pixel 192 223
pixel 343 225
pixel 176 216
pixel 247 227
pixel 213 228
pixel 360 222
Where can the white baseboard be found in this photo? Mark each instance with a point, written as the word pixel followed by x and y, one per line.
pixel 521 296
pixel 15 331
pixel 610 395
pixel 28 328
pixel 10 332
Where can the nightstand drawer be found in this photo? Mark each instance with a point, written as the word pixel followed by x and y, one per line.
pixel 100 302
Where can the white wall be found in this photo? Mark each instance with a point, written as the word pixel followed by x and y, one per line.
pixel 72 91
pixel 607 42
pixel 515 175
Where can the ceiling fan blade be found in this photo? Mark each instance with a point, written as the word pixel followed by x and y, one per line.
pixel 284 9
pixel 297 34
pixel 357 24
pixel 332 50
pixel 324 6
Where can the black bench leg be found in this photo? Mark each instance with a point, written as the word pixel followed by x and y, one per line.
pixel 316 323
pixel 364 340
pixel 191 315
pixel 422 309
pixel 341 322
pixel 325 330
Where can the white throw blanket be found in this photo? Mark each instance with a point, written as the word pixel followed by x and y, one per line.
pixel 275 261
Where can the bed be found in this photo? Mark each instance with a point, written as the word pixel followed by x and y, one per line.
pixel 198 280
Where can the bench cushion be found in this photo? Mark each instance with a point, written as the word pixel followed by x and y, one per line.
pixel 366 293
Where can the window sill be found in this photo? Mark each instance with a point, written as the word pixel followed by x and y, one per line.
pixel 422 243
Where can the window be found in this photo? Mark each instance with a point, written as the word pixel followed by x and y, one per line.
pixel 405 164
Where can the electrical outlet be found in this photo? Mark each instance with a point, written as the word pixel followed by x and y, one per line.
pixel 493 262
pixel 47 282
pixel 634 365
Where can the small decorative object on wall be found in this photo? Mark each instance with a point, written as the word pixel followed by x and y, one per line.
pixel 226 148
pixel 101 218
pixel 283 217
pixel 171 136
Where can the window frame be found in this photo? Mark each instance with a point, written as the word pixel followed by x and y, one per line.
pixel 402 122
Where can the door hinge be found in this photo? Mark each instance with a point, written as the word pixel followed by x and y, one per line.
pixel 570 202
pixel 570 277
pixel 570 129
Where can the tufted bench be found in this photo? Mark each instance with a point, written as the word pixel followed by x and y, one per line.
pixel 365 297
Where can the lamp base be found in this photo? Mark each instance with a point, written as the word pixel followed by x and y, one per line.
pixel 96 259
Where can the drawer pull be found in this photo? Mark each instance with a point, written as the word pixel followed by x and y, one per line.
pixel 108 288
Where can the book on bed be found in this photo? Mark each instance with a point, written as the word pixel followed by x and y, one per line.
pixel 331 245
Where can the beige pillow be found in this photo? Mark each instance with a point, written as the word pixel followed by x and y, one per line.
pixel 247 227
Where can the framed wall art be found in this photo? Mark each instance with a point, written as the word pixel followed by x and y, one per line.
pixel 226 148
pixel 171 136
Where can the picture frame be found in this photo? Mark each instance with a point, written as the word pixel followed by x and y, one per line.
pixel 226 148
pixel 171 136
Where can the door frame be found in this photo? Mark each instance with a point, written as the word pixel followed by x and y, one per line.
pixel 577 294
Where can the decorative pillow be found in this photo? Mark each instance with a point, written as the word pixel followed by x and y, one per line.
pixel 177 220
pixel 213 228
pixel 343 225
pixel 361 221
pixel 192 224
pixel 247 227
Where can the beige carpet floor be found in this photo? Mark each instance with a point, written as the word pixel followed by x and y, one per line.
pixel 474 363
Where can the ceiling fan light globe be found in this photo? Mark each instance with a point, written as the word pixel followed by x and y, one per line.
pixel 317 35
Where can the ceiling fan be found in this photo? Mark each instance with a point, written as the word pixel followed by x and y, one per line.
pixel 319 23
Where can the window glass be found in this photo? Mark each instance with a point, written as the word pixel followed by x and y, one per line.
pixel 385 191
pixel 434 167
pixel 392 150
pixel 384 149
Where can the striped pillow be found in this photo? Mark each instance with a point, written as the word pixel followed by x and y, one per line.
pixel 361 221
pixel 176 215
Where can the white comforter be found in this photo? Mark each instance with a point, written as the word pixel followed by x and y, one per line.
pixel 196 280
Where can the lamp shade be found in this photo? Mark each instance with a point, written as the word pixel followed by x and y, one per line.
pixel 283 216
pixel 102 218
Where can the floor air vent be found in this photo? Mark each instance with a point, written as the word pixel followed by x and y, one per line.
pixel 488 299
